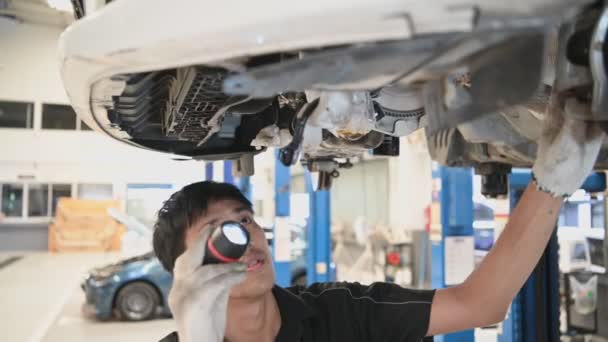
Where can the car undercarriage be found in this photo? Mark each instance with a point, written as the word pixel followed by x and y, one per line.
pixel 480 95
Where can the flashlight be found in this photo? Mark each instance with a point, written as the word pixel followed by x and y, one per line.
pixel 226 244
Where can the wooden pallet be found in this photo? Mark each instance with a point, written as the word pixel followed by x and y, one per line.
pixel 85 225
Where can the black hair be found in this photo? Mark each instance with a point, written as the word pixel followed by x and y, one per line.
pixel 181 210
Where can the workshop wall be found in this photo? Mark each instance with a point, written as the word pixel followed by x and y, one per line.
pixel 364 190
pixel 70 159
pixel 29 73
pixel 29 63
pixel 410 179
pixel 360 191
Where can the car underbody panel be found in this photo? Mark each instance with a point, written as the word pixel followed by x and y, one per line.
pixel 476 78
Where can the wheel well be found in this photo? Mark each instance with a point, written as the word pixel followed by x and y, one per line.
pixel 160 295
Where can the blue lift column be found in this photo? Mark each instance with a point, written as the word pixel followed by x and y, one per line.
pixel 454 194
pixel 228 176
pixel 534 314
pixel 282 192
pixel 318 257
pixel 208 171
pixel 242 182
pixel 245 186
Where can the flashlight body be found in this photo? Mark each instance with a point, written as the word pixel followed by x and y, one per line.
pixel 223 247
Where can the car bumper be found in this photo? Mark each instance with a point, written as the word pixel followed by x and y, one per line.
pixel 98 301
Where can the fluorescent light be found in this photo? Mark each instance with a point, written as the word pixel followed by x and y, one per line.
pixel 61 5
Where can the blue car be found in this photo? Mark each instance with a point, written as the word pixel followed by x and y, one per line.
pixel 137 288
pixel 133 289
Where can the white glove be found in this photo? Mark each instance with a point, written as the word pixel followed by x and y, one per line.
pixel 199 295
pixel 567 149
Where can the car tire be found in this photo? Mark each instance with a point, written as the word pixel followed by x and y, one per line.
pixel 137 301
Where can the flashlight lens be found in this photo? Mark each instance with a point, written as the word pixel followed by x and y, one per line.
pixel 234 233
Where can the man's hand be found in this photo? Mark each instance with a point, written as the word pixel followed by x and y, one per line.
pixel 199 295
pixel 566 154
pixel 567 149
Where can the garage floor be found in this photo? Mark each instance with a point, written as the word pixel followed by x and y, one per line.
pixel 41 301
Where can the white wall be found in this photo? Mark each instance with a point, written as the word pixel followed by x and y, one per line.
pixel 29 65
pixel 410 183
pixel 29 72
pixel 393 190
pixel 362 190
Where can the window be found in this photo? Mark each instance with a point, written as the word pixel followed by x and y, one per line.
pixel 12 200
pixel 38 200
pixel 58 117
pixel 16 114
pixel 144 200
pixel 596 251
pixel 579 252
pixel 597 214
pixel 41 199
pixel 95 191
pixel 569 215
pixel 58 191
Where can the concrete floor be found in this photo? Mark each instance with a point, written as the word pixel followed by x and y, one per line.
pixel 40 301
pixel 41 298
pixel 71 326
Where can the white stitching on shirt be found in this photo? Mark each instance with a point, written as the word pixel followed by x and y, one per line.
pixel 364 297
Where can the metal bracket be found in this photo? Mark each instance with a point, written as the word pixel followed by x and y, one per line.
pixel 505 75
pixel 288 155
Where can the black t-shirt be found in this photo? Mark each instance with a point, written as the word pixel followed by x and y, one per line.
pixel 328 312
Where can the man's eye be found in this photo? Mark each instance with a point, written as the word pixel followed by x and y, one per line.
pixel 246 220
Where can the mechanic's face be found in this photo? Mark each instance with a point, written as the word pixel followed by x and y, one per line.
pixel 260 273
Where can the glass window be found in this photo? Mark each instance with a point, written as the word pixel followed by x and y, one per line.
pixel 597 214
pixel 58 191
pixel 144 200
pixel 12 199
pixel 95 191
pixel 38 200
pixel 596 251
pixel 579 252
pixel 561 220
pixel 58 117
pixel 570 211
pixel 16 114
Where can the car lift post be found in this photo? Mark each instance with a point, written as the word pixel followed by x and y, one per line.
pixel 534 314
pixel 242 182
pixel 453 194
pixel 227 175
pixel 318 256
pixel 208 171
pixel 282 192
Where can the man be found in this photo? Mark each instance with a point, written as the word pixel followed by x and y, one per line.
pixel 238 302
